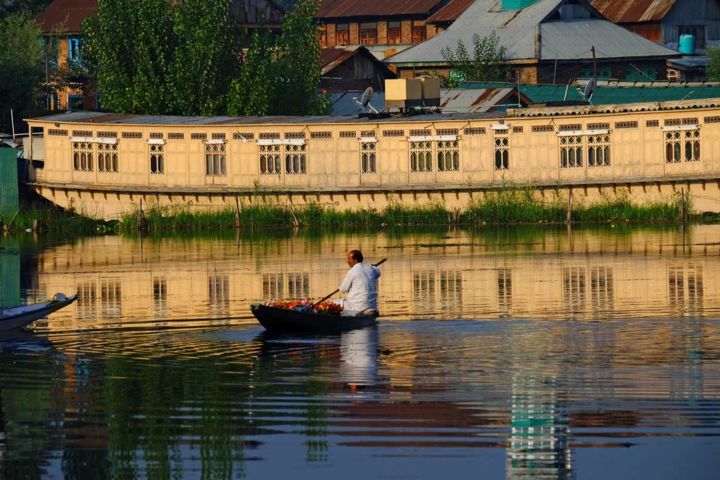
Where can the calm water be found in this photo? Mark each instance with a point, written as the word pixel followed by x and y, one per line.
pixel 533 353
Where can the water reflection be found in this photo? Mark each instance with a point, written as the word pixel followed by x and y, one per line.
pixel 539 356
pixel 545 274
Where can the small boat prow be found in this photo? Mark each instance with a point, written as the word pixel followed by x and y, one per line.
pixel 290 321
pixel 23 315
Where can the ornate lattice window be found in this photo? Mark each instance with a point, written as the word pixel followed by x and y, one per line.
pixel 502 151
pixel 421 156
pixel 448 156
pixel 107 157
pixel 571 151
pixel 598 150
pixel 83 156
pixel 368 157
pixel 682 145
pixel 215 159
pixel 157 158
pixel 295 159
pixel 270 163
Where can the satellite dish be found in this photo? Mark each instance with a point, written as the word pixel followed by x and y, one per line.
pixel 364 101
pixel 366 96
pixel 589 89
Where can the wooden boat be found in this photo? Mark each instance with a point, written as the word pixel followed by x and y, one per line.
pixel 18 317
pixel 282 320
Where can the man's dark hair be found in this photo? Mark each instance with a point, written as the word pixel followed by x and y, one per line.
pixel 356 255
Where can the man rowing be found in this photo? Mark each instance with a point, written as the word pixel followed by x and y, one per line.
pixel 361 286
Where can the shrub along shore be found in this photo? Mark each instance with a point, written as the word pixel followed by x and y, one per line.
pixel 501 208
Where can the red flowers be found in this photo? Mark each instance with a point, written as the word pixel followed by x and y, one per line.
pixel 307 306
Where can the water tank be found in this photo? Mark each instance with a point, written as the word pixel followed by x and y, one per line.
pixel 687 44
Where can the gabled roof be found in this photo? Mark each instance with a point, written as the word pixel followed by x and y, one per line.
pixel 376 8
pixel 635 11
pixel 518 31
pixel 331 58
pixel 65 15
pixel 450 12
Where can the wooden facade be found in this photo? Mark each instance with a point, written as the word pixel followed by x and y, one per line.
pixel 104 165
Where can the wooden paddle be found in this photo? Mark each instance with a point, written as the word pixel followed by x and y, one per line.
pixel 337 289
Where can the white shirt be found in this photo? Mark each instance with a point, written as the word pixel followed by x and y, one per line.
pixel 361 286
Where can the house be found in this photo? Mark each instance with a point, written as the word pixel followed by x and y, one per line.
pixel 352 67
pixel 444 17
pixel 373 22
pixel 664 21
pixel 265 14
pixel 546 41
pixel 60 26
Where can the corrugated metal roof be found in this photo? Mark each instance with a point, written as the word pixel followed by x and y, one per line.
pixel 450 12
pixel 376 8
pixel 517 32
pixel 575 39
pixel 129 119
pixel 455 100
pixel 65 15
pixel 607 95
pixel 635 11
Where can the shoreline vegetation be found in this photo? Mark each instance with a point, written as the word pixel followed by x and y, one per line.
pixel 500 208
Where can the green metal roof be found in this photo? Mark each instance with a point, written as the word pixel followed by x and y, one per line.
pixel 606 95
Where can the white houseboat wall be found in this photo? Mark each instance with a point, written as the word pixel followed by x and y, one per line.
pixel 104 165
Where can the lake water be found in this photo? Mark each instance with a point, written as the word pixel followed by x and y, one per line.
pixel 501 353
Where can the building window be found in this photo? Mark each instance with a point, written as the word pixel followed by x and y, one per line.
pixel 107 157
pixel 448 156
pixel 322 36
pixel 502 151
pixel 682 145
pixel 298 285
pixel 74 48
pixel 598 150
pixel 273 286
pixel 342 34
pixel 418 33
pixel 368 33
pixel 82 156
pixel 157 158
pixel 571 151
pixel 421 156
pixel 394 33
pixel 215 159
pixel 269 159
pixel 295 159
pixel 368 157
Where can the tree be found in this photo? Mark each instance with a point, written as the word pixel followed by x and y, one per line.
pixel 20 71
pixel 252 92
pixel 488 61
pixel 160 57
pixel 29 7
pixel 713 68
pixel 297 71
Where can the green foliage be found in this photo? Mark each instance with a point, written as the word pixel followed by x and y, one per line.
pixel 20 71
pixel 713 68
pixel 28 7
pixel 297 69
pixel 488 61
pixel 151 57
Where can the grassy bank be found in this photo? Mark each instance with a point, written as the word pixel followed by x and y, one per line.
pixel 506 207
pixel 49 219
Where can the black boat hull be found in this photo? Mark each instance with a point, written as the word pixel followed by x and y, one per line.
pixel 282 320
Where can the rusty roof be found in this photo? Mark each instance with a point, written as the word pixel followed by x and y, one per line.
pixel 636 11
pixel 377 8
pixel 450 12
pixel 65 16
